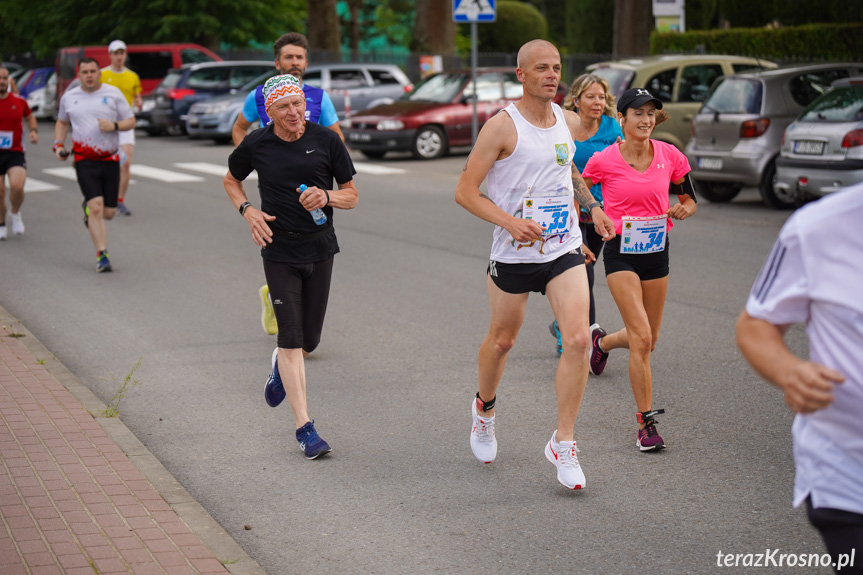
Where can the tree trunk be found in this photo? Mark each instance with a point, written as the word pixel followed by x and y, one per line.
pixel 354 6
pixel 323 26
pixel 633 22
pixel 434 29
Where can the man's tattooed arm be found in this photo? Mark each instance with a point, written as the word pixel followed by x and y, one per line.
pixel 486 197
pixel 580 191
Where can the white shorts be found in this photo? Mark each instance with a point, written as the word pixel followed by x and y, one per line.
pixel 127 137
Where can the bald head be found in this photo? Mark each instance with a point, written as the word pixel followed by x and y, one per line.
pixel 528 52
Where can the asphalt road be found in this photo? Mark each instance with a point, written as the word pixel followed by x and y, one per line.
pixel 390 384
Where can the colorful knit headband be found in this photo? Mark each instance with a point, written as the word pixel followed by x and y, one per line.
pixel 279 87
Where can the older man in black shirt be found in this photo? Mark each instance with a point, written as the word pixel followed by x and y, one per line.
pixel 296 162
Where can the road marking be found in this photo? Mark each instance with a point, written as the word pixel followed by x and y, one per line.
pixel 212 169
pixel 65 173
pixel 377 169
pixel 34 185
pixel 163 175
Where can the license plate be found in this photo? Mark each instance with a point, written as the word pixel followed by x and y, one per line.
pixel 359 137
pixel 710 163
pixel 809 147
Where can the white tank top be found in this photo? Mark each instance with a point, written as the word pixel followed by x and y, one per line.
pixel 539 168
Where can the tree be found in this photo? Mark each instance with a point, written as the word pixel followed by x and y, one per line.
pixel 590 25
pixel 517 23
pixel 434 29
pixel 323 26
pixel 633 22
pixel 27 26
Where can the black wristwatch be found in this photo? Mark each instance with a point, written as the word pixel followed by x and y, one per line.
pixel 593 205
pixel 116 127
pixel 243 207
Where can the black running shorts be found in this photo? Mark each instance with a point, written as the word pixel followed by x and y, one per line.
pixel 99 179
pixel 646 266
pixel 299 293
pixel 11 159
pixel 525 278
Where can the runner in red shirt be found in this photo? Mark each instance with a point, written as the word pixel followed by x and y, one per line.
pixel 13 109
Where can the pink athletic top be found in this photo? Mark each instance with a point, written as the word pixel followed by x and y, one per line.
pixel 626 191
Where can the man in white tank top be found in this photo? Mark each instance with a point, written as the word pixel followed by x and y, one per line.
pixel 526 152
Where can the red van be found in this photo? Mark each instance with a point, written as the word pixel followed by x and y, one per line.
pixel 150 61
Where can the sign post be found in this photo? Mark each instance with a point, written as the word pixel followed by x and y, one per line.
pixel 473 11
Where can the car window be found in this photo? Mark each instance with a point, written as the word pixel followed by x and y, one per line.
pixel 512 88
pixel 806 87
pixel 193 56
pixel 382 77
pixel 312 78
pixel 735 96
pixel 240 76
pixel 619 80
pixel 438 88
pixel 171 79
pixel 838 105
pixel 346 79
pixel 695 82
pixel 740 68
pixel 257 81
pixel 487 87
pixel 662 84
pixel 208 79
pixel 150 65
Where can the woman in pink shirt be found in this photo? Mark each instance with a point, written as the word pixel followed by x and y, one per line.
pixel 637 176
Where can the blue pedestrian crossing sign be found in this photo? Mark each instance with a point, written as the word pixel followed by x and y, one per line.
pixel 474 11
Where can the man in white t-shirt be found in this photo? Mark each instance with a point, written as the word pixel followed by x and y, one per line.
pixel 526 153
pixel 96 112
pixel 814 275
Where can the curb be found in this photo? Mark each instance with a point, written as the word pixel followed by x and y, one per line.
pixel 202 524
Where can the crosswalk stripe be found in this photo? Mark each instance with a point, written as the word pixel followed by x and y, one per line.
pixel 34 185
pixel 377 169
pixel 207 168
pixel 65 173
pixel 163 175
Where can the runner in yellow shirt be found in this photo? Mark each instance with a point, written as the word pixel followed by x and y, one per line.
pixel 129 83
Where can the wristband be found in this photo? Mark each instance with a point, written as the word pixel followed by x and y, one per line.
pixel 593 205
pixel 243 207
pixel 328 198
pixel 116 127
pixel 57 145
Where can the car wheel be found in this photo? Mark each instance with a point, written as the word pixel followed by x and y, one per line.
pixel 776 199
pixel 717 192
pixel 374 155
pixel 429 143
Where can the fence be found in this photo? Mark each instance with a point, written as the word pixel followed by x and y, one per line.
pixel 573 64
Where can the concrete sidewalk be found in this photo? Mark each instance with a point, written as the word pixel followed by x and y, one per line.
pixel 79 494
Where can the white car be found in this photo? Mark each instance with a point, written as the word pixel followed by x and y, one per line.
pixel 43 101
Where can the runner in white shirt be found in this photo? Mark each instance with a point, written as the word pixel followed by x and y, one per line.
pixel 96 112
pixel 526 153
pixel 814 275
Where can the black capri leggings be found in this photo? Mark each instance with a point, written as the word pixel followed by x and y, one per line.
pixel 299 293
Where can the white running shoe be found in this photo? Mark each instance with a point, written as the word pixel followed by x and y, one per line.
pixel 17 224
pixel 482 440
pixel 2 232
pixel 564 457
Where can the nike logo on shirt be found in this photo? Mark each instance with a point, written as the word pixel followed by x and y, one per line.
pixel 309 151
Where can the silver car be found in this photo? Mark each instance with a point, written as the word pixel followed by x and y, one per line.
pixel 214 117
pixel 355 87
pixel 367 84
pixel 822 150
pixel 738 131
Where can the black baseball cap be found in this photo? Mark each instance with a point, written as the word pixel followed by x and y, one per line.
pixel 636 98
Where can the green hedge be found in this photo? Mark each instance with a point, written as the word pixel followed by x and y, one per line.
pixel 813 41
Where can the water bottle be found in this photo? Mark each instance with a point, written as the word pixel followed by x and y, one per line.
pixel 318 215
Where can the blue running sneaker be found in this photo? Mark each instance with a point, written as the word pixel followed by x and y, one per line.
pixel 103 264
pixel 555 331
pixel 274 392
pixel 310 442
